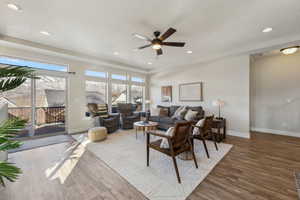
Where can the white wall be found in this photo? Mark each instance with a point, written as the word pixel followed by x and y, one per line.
pixel 226 79
pixel 275 94
pixel 76 120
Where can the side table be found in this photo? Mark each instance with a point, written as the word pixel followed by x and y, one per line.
pixel 219 124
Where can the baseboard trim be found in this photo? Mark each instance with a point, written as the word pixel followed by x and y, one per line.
pixel 239 134
pixel 276 132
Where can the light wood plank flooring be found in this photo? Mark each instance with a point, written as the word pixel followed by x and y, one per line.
pixel 260 168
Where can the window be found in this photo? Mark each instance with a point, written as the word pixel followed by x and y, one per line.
pixel 137 79
pixel 37 65
pixel 118 77
pixel 95 74
pixel 95 92
pixel 118 93
pixel 137 96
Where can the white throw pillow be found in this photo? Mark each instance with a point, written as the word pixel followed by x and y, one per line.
pixel 164 143
pixel 200 123
pixel 155 111
pixel 190 115
pixel 179 112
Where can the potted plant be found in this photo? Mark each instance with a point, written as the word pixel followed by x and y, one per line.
pixel 11 77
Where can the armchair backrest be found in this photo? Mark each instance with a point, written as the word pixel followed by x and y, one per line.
pixel 125 108
pixel 98 109
pixel 93 108
pixel 207 126
pixel 182 132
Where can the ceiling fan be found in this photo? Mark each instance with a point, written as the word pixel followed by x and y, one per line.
pixel 158 41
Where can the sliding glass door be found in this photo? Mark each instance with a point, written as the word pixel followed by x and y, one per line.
pixel 42 102
pixel 50 105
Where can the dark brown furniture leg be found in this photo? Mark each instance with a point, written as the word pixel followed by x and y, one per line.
pixel 148 141
pixel 215 141
pixel 205 147
pixel 193 153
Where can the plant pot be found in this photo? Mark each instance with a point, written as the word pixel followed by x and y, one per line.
pixel 3 155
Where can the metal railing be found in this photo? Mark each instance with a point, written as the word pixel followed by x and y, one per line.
pixel 44 115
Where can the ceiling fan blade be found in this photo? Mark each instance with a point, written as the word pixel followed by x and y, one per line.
pixel 145 46
pixel 167 34
pixel 142 37
pixel 159 52
pixel 174 44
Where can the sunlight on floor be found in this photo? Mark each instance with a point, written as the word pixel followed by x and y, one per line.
pixel 63 168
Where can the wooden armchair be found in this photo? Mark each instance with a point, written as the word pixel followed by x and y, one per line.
pixel 205 132
pixel 180 142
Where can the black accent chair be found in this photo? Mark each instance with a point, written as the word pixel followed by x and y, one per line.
pixel 128 116
pixel 102 117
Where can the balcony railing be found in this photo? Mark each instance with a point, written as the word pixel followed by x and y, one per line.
pixel 44 115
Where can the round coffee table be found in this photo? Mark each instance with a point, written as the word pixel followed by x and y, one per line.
pixel 144 126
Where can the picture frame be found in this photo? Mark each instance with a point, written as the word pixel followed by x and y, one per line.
pixel 166 93
pixel 191 91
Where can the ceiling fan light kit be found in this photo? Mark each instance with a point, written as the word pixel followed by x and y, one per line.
pixel 290 50
pixel 158 41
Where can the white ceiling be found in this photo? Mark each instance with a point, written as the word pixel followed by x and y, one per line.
pixel 210 28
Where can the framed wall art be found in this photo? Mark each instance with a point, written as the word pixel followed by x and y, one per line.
pixel 166 93
pixel 191 91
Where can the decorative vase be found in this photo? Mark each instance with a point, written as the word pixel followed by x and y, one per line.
pixel 3 155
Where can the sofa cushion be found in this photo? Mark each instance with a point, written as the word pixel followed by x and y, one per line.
pixel 167 120
pixel 200 111
pixel 180 113
pixel 172 110
pixel 164 112
pixel 190 115
pixel 179 121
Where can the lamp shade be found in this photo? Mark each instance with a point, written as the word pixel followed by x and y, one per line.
pixel 218 102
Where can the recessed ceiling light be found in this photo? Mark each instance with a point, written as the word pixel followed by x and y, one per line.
pixel 290 50
pixel 116 53
pixel 189 51
pixel 149 63
pixel 267 30
pixel 14 7
pixel 45 33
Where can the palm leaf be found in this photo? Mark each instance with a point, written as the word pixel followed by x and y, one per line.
pixel 8 171
pixel 12 77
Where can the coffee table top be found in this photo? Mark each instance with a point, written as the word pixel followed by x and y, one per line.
pixel 143 124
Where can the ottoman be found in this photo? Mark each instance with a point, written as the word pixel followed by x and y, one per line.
pixel 97 134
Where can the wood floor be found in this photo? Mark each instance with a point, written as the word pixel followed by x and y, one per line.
pixel 261 168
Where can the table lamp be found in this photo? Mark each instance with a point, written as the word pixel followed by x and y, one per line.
pixel 218 103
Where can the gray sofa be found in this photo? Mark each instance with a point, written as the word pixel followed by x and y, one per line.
pixel 165 122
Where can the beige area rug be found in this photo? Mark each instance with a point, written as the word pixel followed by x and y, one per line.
pixel 127 156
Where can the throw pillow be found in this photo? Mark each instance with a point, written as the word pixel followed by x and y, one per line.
pixel 200 123
pixel 178 112
pixel 190 115
pixel 155 111
pixel 182 113
pixel 164 143
pixel 164 112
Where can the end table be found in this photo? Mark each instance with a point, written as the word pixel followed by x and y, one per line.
pixel 220 123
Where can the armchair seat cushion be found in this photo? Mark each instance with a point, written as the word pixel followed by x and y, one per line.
pixel 157 143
